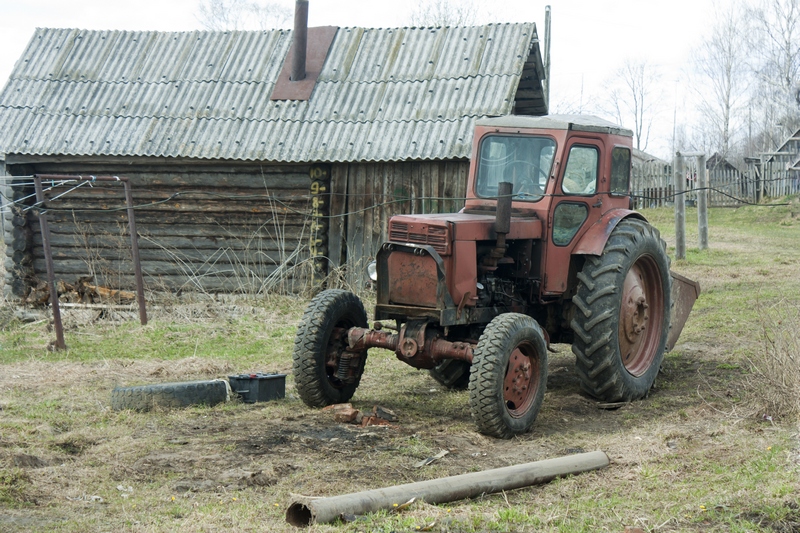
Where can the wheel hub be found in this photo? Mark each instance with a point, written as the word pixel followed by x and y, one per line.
pixel 635 313
pixel 518 386
pixel 638 326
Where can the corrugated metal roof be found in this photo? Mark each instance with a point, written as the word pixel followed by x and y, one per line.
pixel 383 95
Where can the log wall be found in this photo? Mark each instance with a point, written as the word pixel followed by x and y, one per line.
pixel 241 228
pixel 223 227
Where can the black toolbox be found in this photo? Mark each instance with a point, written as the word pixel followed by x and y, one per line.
pixel 259 387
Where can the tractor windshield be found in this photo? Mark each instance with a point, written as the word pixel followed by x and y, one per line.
pixel 525 161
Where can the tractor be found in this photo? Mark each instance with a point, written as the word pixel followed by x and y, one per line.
pixel 547 249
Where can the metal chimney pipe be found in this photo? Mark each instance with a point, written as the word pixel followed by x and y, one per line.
pixel 300 40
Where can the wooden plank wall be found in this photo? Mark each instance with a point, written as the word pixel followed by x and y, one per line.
pixel 239 228
pixel 366 195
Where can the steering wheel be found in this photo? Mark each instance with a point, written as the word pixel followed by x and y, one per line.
pixel 525 177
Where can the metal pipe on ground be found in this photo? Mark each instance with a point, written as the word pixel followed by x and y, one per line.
pixel 307 511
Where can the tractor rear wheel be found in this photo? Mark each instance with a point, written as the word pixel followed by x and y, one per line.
pixel 325 372
pixel 622 314
pixel 451 373
pixel 508 376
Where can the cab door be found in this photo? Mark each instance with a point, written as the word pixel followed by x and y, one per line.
pixel 576 205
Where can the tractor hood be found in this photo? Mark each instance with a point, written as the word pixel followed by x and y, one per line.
pixel 440 230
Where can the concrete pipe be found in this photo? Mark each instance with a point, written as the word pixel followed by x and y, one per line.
pixel 307 511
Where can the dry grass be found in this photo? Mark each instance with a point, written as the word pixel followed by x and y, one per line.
pixel 776 364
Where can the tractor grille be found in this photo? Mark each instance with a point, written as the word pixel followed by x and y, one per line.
pixel 417 233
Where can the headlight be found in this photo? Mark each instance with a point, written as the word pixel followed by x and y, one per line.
pixel 372 270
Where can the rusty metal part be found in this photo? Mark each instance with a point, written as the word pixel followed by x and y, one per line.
pixel 419 346
pixel 412 339
pixel 341 360
pixel 522 379
pixel 684 294
pixel 641 315
pixel 359 339
pixel 319 42
pixel 307 511
pixel 502 226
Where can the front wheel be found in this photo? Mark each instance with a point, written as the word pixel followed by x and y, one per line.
pixel 508 376
pixel 325 371
pixel 622 310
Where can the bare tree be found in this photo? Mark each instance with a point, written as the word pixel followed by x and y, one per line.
pixel 242 15
pixel 633 94
pixel 777 42
pixel 722 65
pixel 445 13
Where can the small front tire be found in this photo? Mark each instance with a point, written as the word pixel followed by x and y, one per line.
pixel 509 376
pixel 320 346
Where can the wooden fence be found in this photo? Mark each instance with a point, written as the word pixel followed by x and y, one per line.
pixel 652 184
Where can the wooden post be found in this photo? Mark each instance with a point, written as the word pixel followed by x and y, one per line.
pixel 702 201
pixel 680 208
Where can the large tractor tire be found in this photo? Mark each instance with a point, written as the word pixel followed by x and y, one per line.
pixel 452 373
pixel 320 349
pixel 508 376
pixel 622 314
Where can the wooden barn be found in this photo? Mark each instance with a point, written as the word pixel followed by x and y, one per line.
pixel 242 178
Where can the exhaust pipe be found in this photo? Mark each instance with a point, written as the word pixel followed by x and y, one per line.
pixel 300 40
pixel 307 511
pixel 502 224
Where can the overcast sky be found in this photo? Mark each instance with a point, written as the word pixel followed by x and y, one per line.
pixel 590 38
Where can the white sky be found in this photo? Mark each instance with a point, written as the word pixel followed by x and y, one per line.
pixel 590 39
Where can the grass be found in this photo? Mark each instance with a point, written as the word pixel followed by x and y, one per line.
pixel 697 455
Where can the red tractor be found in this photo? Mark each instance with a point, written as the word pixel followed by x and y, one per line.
pixel 545 250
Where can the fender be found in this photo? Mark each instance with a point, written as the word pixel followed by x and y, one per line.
pixel 595 238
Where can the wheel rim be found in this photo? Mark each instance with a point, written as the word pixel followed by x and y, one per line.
pixel 522 380
pixel 641 316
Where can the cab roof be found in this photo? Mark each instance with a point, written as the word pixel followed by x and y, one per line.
pixel 588 123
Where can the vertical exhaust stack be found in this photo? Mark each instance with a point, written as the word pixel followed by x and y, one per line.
pixel 502 224
pixel 300 40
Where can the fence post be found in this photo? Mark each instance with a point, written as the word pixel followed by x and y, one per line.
pixel 680 208
pixel 702 201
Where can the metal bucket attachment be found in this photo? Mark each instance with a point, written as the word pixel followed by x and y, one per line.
pixel 684 294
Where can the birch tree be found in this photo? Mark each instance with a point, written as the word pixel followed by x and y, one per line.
pixel 633 96
pixel 722 68
pixel 777 43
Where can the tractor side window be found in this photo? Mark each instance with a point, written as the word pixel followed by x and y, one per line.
pixel 524 161
pixel 580 174
pixel 567 220
pixel 620 170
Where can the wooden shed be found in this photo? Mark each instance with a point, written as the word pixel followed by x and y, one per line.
pixel 239 179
